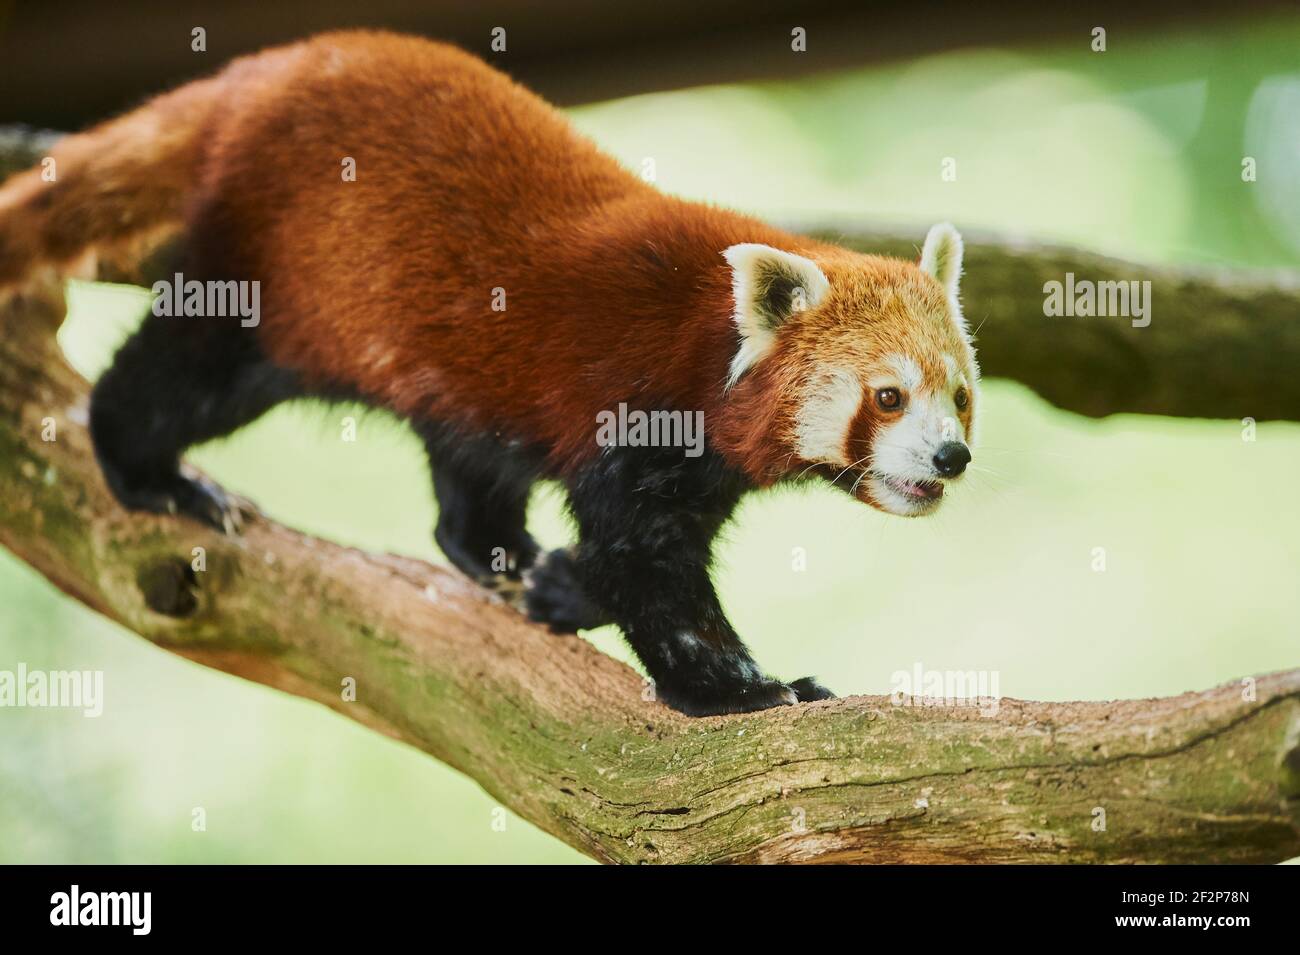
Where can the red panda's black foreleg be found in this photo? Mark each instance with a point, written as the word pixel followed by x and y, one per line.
pixel 647 518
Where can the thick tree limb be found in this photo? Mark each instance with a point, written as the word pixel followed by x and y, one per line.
pixel 559 732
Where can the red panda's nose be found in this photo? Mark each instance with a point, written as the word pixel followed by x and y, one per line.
pixel 951 458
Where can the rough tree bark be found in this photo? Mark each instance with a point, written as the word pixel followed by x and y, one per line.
pixel 560 733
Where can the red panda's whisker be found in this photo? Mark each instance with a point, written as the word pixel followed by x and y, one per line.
pixel 851 467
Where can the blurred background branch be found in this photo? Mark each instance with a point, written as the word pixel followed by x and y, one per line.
pixel 22 147
pixel 110 56
pixel 1221 343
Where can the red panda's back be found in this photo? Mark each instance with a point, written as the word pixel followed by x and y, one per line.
pixel 386 185
pixel 469 193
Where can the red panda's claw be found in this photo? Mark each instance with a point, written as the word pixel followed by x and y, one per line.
pixel 196 496
pixel 809 690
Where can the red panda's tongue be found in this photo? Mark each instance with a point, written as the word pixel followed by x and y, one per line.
pixel 926 489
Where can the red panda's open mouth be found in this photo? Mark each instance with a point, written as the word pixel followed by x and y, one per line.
pixel 917 490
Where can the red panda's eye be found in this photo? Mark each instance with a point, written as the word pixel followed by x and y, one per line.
pixel 961 398
pixel 889 398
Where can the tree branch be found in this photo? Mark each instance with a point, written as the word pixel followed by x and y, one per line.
pixel 559 733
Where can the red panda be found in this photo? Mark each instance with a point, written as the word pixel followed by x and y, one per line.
pixel 429 237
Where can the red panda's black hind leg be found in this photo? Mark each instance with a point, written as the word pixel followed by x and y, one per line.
pixel 647 518
pixel 174 383
pixel 482 486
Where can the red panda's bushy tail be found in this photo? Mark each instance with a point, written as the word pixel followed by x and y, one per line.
pixel 118 189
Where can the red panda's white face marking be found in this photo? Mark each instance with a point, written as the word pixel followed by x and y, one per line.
pixel 831 402
pixel 874 377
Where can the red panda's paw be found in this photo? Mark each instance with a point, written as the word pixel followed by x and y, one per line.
pixel 554 595
pixel 193 495
pixel 716 701
pixel 201 499
pixel 809 690
pixel 761 695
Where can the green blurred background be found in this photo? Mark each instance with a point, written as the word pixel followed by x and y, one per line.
pixel 1136 151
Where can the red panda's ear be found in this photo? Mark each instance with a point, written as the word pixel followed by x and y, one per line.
pixel 769 286
pixel 941 257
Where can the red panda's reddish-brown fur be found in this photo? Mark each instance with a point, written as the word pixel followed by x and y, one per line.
pixel 465 183
pixel 479 185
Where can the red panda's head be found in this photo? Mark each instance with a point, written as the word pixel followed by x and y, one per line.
pixel 861 365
